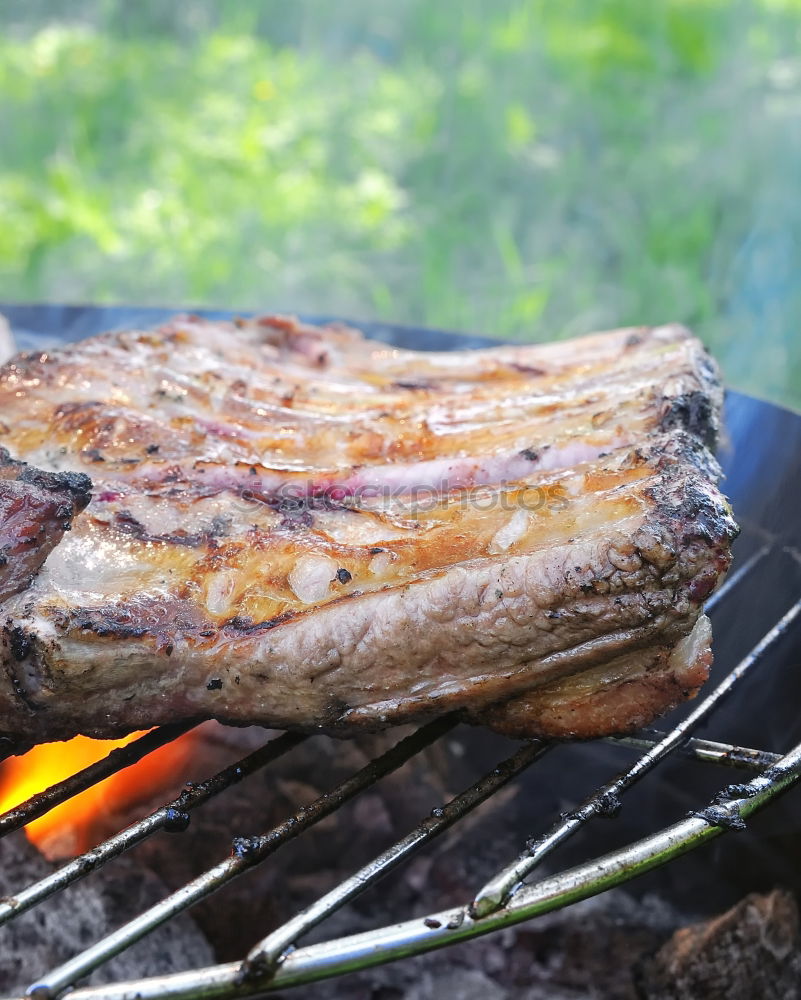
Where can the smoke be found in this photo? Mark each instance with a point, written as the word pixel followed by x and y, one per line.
pixel 763 350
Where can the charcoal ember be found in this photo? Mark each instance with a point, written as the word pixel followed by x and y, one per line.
pixel 752 950
pixel 588 950
pixel 69 922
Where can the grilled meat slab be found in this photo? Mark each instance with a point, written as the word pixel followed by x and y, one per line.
pixel 297 527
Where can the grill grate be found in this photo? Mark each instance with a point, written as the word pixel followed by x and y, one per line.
pixel 504 900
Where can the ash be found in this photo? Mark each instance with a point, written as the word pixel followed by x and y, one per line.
pixel 64 925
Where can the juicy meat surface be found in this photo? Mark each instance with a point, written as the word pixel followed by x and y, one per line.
pixel 36 508
pixel 295 526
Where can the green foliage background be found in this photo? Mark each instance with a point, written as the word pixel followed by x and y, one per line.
pixel 523 168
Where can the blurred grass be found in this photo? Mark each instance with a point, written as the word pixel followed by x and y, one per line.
pixel 520 168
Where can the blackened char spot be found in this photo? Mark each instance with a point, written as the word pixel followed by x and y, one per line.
pixel 416 385
pixel 343 576
pixel 103 628
pixel 130 525
pixel 333 713
pixel 20 643
pixel 63 513
pixel 21 648
pixel 693 513
pixel 240 622
pixel 240 625
pixel 164 621
pixel 76 484
pixel 693 410
pixel 296 509
pixel 530 453
pixel 687 448
pixel 297 520
pixel 215 684
pixel 220 526
pixel 173 474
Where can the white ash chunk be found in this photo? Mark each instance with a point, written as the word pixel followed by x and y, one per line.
pixel 72 921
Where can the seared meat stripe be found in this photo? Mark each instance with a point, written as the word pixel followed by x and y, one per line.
pixel 313 403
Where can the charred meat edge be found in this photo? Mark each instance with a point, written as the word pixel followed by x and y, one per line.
pixel 36 508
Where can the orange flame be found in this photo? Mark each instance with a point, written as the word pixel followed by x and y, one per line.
pixel 84 820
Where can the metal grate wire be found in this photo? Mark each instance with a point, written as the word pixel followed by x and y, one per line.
pixel 506 899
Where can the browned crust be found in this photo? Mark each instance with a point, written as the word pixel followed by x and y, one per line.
pixel 629 693
pixel 451 641
pixel 243 406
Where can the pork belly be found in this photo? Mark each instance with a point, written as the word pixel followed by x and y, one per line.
pixel 297 527
pixel 318 405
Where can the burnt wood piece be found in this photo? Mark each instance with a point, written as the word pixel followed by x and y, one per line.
pixel 282 532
